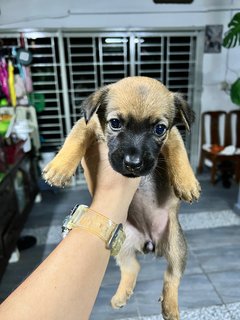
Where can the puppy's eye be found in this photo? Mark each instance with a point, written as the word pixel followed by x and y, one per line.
pixel 160 129
pixel 115 124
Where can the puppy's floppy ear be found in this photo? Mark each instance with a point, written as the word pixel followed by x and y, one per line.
pixel 93 102
pixel 184 114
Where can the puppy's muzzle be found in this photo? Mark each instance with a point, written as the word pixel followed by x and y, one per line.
pixel 133 163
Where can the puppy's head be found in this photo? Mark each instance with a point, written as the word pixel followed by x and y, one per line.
pixel 136 115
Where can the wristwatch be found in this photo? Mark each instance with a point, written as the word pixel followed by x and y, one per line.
pixel 94 222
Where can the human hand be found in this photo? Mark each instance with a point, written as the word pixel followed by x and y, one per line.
pixel 110 190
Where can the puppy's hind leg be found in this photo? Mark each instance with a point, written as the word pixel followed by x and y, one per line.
pixel 129 268
pixel 175 251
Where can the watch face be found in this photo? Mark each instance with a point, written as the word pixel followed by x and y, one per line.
pixel 116 240
pixel 65 222
pixel 65 226
pixel 65 229
pixel 74 209
pixel 113 236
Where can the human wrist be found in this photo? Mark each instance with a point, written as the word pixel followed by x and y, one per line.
pixel 113 208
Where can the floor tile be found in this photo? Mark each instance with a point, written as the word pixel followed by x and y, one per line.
pixel 195 291
pixel 213 238
pixel 222 258
pixel 209 219
pixel 227 285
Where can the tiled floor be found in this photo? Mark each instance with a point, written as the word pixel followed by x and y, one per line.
pixel 210 289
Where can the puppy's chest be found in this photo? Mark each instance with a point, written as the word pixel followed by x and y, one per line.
pixel 149 210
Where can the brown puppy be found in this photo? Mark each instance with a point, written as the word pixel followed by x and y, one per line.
pixel 136 117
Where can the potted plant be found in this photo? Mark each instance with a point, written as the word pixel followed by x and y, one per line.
pixel 231 40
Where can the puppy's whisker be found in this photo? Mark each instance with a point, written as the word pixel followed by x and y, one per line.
pixel 160 170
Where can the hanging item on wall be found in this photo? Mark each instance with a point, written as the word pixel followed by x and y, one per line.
pixel 4 78
pixel 28 79
pixel 213 39
pixel 24 56
pixel 19 80
pixel 23 59
pixel 12 91
pixel 17 64
pixel 19 86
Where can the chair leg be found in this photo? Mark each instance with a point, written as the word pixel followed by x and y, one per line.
pixel 237 171
pixel 200 166
pixel 213 172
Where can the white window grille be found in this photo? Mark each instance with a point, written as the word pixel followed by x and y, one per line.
pixel 68 66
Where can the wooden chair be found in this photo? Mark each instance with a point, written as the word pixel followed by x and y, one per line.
pixel 233 138
pixel 220 136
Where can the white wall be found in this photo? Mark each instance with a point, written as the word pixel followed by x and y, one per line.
pixel 35 14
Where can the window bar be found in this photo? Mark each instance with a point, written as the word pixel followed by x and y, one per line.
pixel 57 88
pixel 100 52
pixel 167 60
pixel 125 42
pixel 66 104
pixel 191 70
pixel 95 63
pixel 161 58
pixel 196 100
pixel 139 57
pixel 132 55
pixel 70 74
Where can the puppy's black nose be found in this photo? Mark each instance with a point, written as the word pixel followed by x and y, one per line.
pixel 133 162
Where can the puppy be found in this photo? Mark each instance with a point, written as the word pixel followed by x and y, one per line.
pixel 137 117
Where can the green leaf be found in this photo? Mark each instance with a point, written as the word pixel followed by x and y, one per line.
pixel 235 92
pixel 232 36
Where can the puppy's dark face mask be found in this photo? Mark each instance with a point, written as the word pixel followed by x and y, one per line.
pixel 135 122
pixel 134 144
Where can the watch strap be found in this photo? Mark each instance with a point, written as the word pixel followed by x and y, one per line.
pixel 96 223
pixel 101 226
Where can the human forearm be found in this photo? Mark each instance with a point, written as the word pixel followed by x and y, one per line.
pixel 66 284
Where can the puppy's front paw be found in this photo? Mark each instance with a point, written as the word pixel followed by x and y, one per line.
pixel 187 188
pixel 58 173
